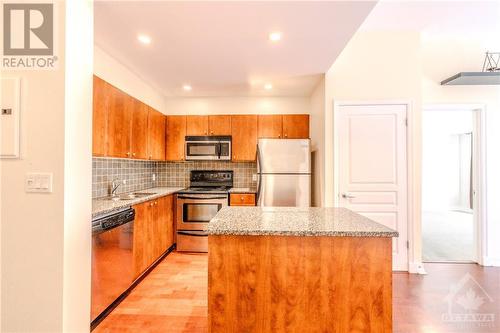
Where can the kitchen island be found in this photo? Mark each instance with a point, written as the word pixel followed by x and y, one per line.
pixel 298 270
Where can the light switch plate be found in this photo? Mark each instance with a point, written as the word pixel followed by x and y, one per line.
pixel 39 182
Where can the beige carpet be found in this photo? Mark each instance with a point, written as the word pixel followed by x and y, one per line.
pixel 447 236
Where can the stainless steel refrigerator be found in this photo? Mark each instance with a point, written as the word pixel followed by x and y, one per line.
pixel 284 173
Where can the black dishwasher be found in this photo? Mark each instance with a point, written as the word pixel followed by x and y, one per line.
pixel 112 258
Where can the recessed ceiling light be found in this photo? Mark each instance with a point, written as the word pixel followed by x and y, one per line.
pixel 275 36
pixel 187 87
pixel 144 39
pixel 268 86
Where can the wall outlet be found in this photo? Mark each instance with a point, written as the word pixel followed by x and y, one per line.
pixel 254 177
pixel 154 177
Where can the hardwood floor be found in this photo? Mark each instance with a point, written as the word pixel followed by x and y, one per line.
pixel 173 298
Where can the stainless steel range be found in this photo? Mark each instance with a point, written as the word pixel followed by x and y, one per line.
pixel 198 204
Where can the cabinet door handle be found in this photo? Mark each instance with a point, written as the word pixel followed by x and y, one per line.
pixel 128 153
pixel 133 154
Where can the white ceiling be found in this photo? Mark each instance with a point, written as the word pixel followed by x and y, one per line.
pixel 222 48
pixel 475 20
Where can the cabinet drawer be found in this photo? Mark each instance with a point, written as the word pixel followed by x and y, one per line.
pixel 240 199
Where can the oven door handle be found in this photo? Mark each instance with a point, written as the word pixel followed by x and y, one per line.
pixel 198 198
pixel 193 233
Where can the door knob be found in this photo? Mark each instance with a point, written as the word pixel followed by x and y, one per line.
pixel 348 196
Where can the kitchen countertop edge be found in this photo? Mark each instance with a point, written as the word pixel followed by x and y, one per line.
pixel 295 221
pixel 102 206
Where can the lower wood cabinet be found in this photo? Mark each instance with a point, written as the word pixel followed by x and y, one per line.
pixel 153 231
pixel 242 199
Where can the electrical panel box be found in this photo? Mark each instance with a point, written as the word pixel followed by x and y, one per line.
pixel 10 108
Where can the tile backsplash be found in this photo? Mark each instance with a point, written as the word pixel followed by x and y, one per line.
pixel 177 173
pixel 138 175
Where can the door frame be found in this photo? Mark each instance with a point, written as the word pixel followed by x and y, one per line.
pixel 413 267
pixel 479 176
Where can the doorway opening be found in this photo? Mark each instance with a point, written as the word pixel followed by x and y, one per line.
pixel 449 183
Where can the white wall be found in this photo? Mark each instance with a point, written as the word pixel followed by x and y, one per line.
pixel 111 70
pixel 442 185
pixel 317 132
pixel 468 55
pixel 45 238
pixel 237 105
pixel 378 66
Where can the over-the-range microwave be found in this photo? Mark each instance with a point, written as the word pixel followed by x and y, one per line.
pixel 203 148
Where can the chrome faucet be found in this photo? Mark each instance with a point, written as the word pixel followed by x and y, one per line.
pixel 114 186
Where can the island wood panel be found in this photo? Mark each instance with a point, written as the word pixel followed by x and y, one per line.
pixel 100 109
pixel 196 125
pixel 219 125
pixel 139 128
pixel 176 132
pixel 119 122
pixel 299 284
pixel 296 126
pixel 156 135
pixel 270 126
pixel 244 137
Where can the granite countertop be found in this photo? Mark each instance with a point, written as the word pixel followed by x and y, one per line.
pixel 295 221
pixel 242 190
pixel 102 206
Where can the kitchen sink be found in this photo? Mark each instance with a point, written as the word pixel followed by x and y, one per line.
pixel 129 196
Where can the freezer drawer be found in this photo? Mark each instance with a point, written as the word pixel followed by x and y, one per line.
pixel 285 191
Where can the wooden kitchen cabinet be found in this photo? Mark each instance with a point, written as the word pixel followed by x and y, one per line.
pixel 176 131
pixel 242 199
pixel 139 130
pixel 244 137
pixel 270 126
pixel 156 135
pixel 119 120
pixel 153 231
pixel 142 249
pixel 295 126
pixel 100 108
pixel 219 125
pixel 196 125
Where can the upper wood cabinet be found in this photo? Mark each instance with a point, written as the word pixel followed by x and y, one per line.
pixel 219 125
pixel 139 128
pixel 208 125
pixel 196 125
pixel 176 132
pixel 100 117
pixel 156 135
pixel 244 137
pixel 270 126
pixel 119 122
pixel 295 126
pixel 123 127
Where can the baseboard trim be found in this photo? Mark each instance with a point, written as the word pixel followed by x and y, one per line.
pixel 490 261
pixel 416 268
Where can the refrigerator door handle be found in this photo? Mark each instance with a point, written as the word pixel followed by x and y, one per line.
pixel 259 179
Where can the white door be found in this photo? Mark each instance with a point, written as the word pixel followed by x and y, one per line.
pixel 373 169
